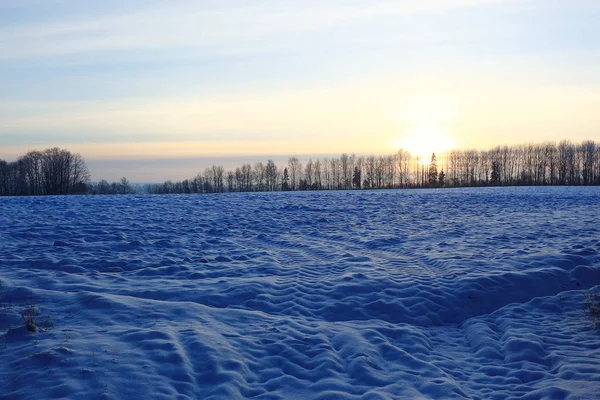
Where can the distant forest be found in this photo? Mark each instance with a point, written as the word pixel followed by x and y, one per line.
pixel 58 171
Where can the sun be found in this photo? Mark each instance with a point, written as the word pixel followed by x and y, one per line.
pixel 424 122
pixel 424 139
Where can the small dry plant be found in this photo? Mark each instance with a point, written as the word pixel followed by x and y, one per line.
pixel 29 314
pixel 592 307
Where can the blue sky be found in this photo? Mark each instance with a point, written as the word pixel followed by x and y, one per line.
pixel 202 80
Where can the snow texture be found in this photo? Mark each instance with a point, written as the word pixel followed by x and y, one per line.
pixel 443 294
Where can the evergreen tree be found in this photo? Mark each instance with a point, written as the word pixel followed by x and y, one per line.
pixel 125 186
pixel 356 178
pixel 442 178
pixel 433 173
pixel 285 181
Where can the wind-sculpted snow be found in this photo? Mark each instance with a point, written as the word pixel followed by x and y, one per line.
pixel 474 293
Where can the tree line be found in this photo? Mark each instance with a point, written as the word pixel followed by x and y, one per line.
pixel 50 172
pixel 549 163
pixel 57 171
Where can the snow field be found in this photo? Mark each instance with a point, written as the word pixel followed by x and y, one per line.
pixel 467 293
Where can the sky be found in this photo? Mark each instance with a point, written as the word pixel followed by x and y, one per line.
pixel 157 90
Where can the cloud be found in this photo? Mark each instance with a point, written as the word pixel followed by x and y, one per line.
pixel 231 27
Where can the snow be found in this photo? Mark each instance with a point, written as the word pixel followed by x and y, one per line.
pixel 462 293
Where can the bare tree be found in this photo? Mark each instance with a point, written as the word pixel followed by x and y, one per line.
pixel 317 174
pixel 346 173
pixel 260 177
pixel 308 174
pixel 295 170
pixel 271 176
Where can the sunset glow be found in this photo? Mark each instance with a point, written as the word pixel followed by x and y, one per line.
pixel 154 80
pixel 423 140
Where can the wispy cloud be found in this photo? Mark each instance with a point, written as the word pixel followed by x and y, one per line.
pixel 231 27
